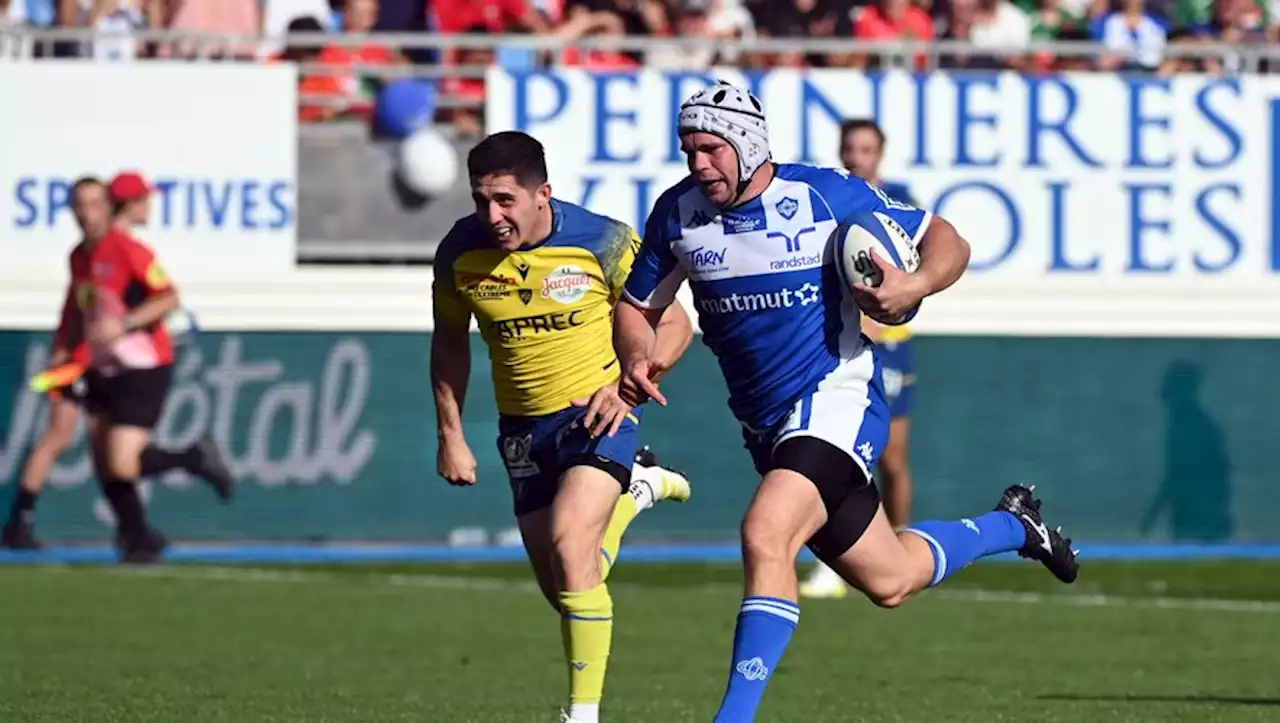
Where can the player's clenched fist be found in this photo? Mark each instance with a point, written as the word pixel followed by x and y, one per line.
pixel 455 462
pixel 639 382
pixel 896 296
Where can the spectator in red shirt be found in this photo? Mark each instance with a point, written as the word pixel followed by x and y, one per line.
pixel 477 16
pixel 121 296
pixel 467 121
pixel 892 20
pixel 495 16
pixel 799 19
pixel 348 93
pixel 603 24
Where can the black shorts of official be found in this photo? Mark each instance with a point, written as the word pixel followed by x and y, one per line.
pixel 850 498
pixel 74 392
pixel 132 398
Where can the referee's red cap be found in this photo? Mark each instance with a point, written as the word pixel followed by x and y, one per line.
pixel 129 186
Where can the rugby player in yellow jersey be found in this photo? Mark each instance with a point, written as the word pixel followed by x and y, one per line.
pixel 861 151
pixel 541 278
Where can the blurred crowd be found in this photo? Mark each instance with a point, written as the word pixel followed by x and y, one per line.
pixel 1134 33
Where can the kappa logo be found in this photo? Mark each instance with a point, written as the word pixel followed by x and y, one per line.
pixel 787 207
pixel 866 451
pixel 526 295
pixel 698 219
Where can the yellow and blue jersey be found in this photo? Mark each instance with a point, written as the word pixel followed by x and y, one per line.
pixel 546 312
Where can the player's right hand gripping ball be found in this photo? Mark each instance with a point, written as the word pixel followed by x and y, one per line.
pixel 853 242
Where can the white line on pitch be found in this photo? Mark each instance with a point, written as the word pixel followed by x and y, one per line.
pixel 447 582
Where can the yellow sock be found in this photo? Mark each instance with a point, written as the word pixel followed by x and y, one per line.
pixel 586 623
pixel 623 513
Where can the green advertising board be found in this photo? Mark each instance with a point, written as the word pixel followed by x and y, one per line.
pixel 332 436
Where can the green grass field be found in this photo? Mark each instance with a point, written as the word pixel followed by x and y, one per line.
pixel 447 644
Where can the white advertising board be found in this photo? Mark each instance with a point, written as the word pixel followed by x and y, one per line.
pixel 1094 204
pixel 218 141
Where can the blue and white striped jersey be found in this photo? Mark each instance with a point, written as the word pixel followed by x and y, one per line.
pixel 767 295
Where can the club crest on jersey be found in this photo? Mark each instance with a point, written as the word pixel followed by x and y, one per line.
pixel 516 451
pixel 526 295
pixel 566 284
pixel 787 207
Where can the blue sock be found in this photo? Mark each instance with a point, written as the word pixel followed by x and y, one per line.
pixel 765 625
pixel 956 544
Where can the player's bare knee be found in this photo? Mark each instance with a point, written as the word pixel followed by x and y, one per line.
pixel 576 559
pixel 56 441
pixel 58 437
pixel 764 542
pixel 890 591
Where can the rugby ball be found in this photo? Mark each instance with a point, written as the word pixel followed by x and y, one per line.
pixel 854 240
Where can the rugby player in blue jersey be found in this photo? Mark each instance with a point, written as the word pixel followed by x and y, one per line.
pixel 806 387
pixel 861 151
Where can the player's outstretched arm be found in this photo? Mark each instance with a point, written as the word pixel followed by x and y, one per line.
pixel 673 336
pixel 450 373
pixel 634 340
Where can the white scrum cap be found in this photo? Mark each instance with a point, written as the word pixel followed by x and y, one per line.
pixel 735 115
